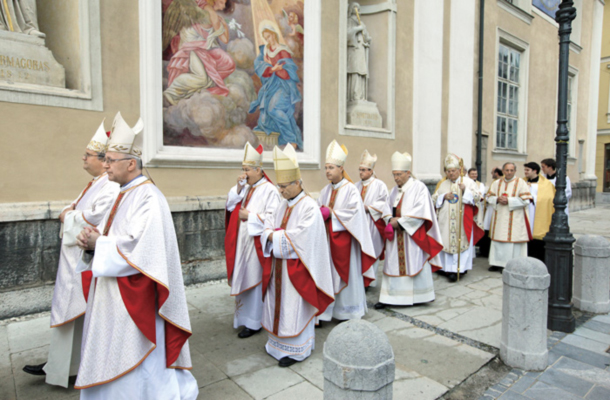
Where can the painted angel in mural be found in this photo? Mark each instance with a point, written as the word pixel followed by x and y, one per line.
pixel 279 94
pixel 296 29
pixel 193 28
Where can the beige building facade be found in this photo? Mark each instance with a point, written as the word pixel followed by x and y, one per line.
pixel 602 157
pixel 423 78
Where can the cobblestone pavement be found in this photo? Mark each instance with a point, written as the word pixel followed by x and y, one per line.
pixel 439 348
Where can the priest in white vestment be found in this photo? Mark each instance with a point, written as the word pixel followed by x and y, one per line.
pixel 374 194
pixel 70 292
pixel 541 209
pixel 510 230
pixel 249 203
pixel 298 286
pixel 349 241
pixel 413 240
pixel 135 338
pixel 455 199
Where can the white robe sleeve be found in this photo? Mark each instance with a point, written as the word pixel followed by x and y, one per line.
pixel 468 197
pixel 515 203
pixel 568 188
pixel 410 225
pixel 337 226
pixel 440 200
pixel 108 262
pixel 266 244
pixel 73 225
pixel 493 202
pixel 256 226
pixel 233 198
pixel 281 246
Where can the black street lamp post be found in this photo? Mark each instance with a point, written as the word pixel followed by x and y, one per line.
pixel 559 240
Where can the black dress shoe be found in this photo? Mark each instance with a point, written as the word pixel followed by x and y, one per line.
pixel 380 306
pixel 287 362
pixel 452 277
pixel 493 268
pixel 247 332
pixel 35 369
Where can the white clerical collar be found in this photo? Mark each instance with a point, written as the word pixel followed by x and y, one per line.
pixel 339 184
pixel 260 182
pixel 294 201
pixel 510 180
pixel 134 182
pixel 368 181
pixel 99 176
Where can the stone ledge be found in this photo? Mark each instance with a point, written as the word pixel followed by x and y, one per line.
pixel 12 212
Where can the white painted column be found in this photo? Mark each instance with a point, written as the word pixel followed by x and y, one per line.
pixel 461 80
pixel 596 54
pixel 427 88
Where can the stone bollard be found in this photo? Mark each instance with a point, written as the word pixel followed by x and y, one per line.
pixel 358 362
pixel 524 314
pixel 592 274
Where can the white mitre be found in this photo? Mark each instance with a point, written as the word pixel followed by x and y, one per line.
pixel 253 157
pixel 401 161
pixel 336 154
pixel 99 140
pixel 367 160
pixel 286 164
pixel 452 162
pixel 124 139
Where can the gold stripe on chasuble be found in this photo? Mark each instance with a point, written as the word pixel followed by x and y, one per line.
pixel 278 278
pixel 400 241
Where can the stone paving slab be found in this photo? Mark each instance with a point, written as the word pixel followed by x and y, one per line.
pixel 428 364
pixel 471 308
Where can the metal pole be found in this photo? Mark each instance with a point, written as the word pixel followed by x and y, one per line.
pixel 479 161
pixel 559 240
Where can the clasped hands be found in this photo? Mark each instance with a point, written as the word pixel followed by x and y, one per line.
pixel 502 200
pixel 87 237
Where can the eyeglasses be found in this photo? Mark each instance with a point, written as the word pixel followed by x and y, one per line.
pixel 111 161
pixel 286 185
pixel 87 155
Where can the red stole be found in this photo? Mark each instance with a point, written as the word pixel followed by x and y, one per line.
pixel 232 223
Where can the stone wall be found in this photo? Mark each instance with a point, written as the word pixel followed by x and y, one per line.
pixel 29 251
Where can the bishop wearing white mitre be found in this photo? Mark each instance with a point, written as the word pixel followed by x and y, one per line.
pixel 455 199
pixel 352 254
pixel 71 288
pixel 374 194
pixel 298 285
pixel 135 338
pixel 249 203
pixel 413 240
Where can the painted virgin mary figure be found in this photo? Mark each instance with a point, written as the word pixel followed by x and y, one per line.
pixel 193 28
pixel 279 94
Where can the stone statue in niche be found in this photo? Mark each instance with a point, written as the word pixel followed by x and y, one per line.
pixel 20 16
pixel 360 111
pixel 24 57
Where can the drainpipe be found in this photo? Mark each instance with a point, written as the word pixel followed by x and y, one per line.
pixel 479 161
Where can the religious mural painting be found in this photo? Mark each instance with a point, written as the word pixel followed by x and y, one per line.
pixel 233 73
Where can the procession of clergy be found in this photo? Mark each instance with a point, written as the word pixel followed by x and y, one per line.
pixel 119 315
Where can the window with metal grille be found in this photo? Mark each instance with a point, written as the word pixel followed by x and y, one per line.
pixel 507 122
